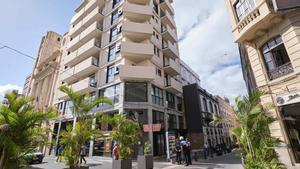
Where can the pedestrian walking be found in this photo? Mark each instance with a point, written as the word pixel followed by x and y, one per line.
pixel 59 153
pixel 178 149
pixel 116 152
pixel 205 150
pixel 82 154
pixel 186 147
pixel 188 152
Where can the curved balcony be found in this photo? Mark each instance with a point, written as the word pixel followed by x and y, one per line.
pixel 142 2
pixel 167 19
pixel 95 30
pixel 85 68
pixel 173 86
pixel 137 32
pixel 85 8
pixel 166 6
pixel 84 86
pixel 137 13
pixel 169 34
pixel 170 50
pixel 171 67
pixel 137 73
pixel 91 48
pixel 93 16
pixel 137 51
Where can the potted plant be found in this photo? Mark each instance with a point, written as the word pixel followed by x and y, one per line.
pixel 126 133
pixel 146 161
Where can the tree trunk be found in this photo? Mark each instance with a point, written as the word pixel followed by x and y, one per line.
pixel 4 156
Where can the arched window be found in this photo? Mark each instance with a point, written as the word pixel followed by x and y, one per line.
pixel 276 58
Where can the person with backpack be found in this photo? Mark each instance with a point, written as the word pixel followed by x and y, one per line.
pixel 188 152
pixel 178 149
pixel 186 147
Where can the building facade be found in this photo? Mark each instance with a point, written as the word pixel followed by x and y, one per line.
pixel 25 91
pixel 226 112
pixel 188 75
pixel 268 31
pixel 200 108
pixel 41 83
pixel 125 50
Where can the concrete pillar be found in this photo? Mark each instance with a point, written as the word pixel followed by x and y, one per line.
pixel 150 121
pixel 57 137
pixel 92 139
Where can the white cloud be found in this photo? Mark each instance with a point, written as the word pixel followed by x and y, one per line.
pixel 207 45
pixel 7 88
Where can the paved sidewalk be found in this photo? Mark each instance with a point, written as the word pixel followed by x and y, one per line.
pixel 228 161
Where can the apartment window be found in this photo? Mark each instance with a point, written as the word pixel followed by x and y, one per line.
pixel 155 6
pixel 92 80
pixel 243 8
pixel 179 103
pixel 156 51
pixel 181 122
pixel 115 2
pixel 158 72
pixel 158 118
pixel 172 122
pixel 216 109
pixel 204 105
pixel 115 15
pixel 157 96
pixel 211 107
pixel 68 108
pixel 276 58
pixel 113 51
pixel 136 92
pixel 112 93
pixel 171 100
pixel 114 32
pixel 112 71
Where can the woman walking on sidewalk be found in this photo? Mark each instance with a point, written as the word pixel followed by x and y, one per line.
pixel 82 154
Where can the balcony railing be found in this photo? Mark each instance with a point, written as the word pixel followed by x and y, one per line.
pixel 281 71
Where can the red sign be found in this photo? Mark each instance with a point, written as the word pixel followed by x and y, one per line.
pixel 151 127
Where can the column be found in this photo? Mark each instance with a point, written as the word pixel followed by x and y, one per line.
pixel 92 139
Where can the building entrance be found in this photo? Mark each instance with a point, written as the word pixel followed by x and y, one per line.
pixel 291 118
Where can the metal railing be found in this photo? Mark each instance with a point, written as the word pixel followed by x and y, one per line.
pixel 281 71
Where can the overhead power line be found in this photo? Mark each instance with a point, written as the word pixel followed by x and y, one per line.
pixel 34 59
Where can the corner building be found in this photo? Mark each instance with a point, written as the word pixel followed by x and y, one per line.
pixel 268 33
pixel 125 50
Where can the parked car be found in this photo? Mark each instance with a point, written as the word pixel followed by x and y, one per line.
pixel 34 158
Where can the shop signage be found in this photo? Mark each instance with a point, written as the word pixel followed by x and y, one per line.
pixel 285 4
pixel 288 99
pixel 171 144
pixel 151 127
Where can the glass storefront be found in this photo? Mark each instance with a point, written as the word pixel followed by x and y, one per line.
pixel 291 118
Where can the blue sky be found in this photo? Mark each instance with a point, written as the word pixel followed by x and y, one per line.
pixel 23 23
pixel 206 42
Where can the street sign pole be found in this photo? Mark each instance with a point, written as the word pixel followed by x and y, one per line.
pixel 167 145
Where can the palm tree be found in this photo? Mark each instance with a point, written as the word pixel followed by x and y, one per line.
pixel 20 129
pixel 75 137
pixel 253 134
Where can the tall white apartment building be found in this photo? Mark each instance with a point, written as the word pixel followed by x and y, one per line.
pixel 125 50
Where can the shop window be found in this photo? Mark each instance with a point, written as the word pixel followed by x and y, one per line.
pixel 136 92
